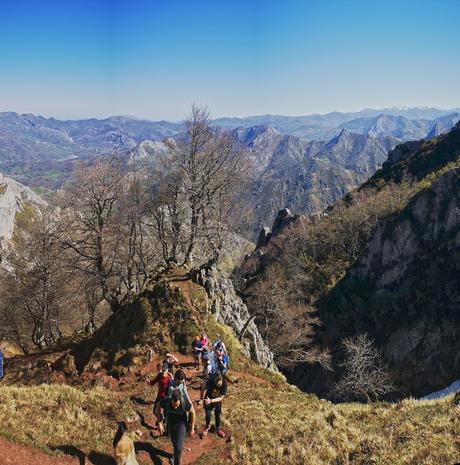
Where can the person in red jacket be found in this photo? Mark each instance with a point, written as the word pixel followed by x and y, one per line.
pixel 204 341
pixel 163 379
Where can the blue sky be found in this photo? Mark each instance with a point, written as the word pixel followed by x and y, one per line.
pixel 154 58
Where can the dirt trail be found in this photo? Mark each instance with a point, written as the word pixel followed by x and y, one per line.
pixel 12 454
pixel 152 449
pixel 197 446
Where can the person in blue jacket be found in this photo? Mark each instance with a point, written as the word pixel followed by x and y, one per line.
pixel 1 363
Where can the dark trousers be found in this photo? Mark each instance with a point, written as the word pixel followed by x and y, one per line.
pixel 208 413
pixel 178 437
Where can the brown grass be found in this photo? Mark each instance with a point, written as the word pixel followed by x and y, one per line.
pixel 285 426
pixel 49 416
pixel 270 422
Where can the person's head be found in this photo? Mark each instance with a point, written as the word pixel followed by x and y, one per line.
pixel 203 335
pixel 179 376
pixel 197 338
pixel 175 399
pixel 218 381
pixel 164 368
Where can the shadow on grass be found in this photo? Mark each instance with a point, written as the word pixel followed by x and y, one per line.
pixel 98 458
pixel 93 458
pixel 154 452
pixel 72 451
pixel 140 400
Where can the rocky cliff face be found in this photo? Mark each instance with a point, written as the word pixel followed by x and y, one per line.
pixel 302 176
pixel 402 285
pixel 405 291
pixel 14 197
pixel 228 308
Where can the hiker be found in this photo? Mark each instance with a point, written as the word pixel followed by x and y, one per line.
pixel 2 374
pixel 221 363
pixel 219 347
pixel 171 361
pixel 125 453
pixel 207 360
pixel 197 348
pixel 178 383
pixel 179 413
pixel 163 379
pixel 212 395
pixel 204 340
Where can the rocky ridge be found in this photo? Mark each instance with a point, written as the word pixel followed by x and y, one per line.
pixel 14 197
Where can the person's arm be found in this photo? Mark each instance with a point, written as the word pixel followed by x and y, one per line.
pixel 208 401
pixel 204 388
pixel 186 394
pixel 191 419
pixel 172 356
pixel 223 393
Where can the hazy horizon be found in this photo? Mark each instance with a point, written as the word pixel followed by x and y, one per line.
pixel 213 116
pixel 153 59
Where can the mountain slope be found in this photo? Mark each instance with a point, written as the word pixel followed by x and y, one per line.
pixel 325 126
pixel 29 138
pixel 81 420
pixel 306 177
pixel 404 290
pixel 382 261
pixel 14 199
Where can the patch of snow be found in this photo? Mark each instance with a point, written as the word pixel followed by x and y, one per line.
pixel 454 387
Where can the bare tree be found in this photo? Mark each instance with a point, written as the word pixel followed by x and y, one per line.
pixel 284 321
pixel 104 229
pixel 36 287
pixel 90 227
pixel 365 377
pixel 195 198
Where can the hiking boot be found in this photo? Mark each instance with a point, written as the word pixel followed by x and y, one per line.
pixel 206 431
pixel 220 432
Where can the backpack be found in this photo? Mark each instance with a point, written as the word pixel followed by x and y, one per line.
pixel 182 390
pixel 217 345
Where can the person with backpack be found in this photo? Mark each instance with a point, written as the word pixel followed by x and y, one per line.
pixel 197 348
pixel 179 413
pixel 212 395
pixel 222 363
pixel 163 379
pixel 125 453
pixel 207 360
pixel 219 347
pixel 178 383
pixel 2 373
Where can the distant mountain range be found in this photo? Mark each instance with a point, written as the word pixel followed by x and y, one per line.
pixel 25 138
pixel 388 121
pixel 304 163
pixel 287 171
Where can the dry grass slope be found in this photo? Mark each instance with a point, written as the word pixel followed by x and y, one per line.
pixel 284 426
pixel 270 422
pixel 52 416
